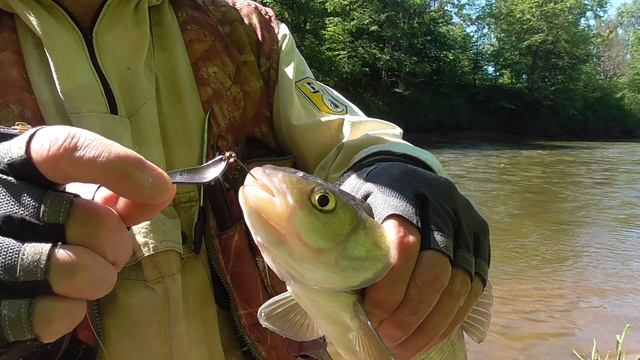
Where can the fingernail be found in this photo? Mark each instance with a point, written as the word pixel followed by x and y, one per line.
pixel 156 184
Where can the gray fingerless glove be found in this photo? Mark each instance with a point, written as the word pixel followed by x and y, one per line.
pixel 32 215
pixel 446 219
pixel 15 321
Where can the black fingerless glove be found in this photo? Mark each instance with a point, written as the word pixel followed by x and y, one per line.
pixel 33 211
pixel 446 219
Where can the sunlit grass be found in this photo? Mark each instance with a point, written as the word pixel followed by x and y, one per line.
pixel 595 353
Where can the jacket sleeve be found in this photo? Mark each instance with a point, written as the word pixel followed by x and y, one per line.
pixel 324 131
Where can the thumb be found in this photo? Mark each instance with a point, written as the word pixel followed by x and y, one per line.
pixel 137 188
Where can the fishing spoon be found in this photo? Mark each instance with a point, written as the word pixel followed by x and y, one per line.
pixel 205 173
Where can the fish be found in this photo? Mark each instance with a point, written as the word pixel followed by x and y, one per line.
pixel 325 245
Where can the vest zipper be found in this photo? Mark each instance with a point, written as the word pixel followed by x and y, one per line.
pixel 87 36
pixel 96 324
pixel 94 315
pixel 217 274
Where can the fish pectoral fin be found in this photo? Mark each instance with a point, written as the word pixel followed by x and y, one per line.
pixel 366 339
pixel 476 325
pixel 283 315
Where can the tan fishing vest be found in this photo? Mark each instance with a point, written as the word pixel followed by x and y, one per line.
pixel 230 42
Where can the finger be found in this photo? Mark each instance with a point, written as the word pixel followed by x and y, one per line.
pixel 474 294
pixel 77 272
pixel 99 229
pixel 65 154
pixel 383 297
pixel 427 333
pixel 430 277
pixel 131 212
pixel 54 316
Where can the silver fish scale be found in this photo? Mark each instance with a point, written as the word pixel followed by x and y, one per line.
pixel 453 348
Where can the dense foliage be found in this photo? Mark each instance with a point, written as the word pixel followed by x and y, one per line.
pixel 529 67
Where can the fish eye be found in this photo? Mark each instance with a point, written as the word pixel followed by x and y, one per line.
pixel 323 200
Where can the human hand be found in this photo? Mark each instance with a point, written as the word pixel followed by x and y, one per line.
pixel 96 241
pixel 423 299
pixel 442 259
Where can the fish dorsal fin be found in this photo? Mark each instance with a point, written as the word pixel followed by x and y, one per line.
pixel 283 315
pixel 366 339
pixel 476 325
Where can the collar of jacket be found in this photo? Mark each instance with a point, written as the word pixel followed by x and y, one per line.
pixel 10 5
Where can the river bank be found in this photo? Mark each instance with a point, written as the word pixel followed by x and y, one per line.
pixel 476 136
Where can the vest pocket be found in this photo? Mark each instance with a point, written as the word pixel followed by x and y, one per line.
pixel 159 234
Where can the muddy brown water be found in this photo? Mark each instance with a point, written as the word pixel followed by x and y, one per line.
pixel 565 222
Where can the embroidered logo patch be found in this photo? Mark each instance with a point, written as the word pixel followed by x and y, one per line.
pixel 320 98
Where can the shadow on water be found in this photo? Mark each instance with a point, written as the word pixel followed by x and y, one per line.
pixel 505 143
pixel 528 145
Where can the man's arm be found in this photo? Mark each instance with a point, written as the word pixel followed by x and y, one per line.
pixel 325 132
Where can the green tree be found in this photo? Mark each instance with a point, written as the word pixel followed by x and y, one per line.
pixel 523 66
pixel 385 53
pixel 628 19
pixel 306 20
pixel 395 50
pixel 613 50
pixel 627 33
pixel 543 46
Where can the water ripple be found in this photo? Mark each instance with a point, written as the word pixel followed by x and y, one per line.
pixel 565 225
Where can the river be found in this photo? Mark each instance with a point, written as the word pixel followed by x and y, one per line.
pixel 565 227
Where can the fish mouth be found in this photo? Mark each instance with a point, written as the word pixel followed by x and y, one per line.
pixel 257 180
pixel 262 196
pixel 261 199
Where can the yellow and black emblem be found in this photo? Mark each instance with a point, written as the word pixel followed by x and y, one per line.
pixel 320 98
